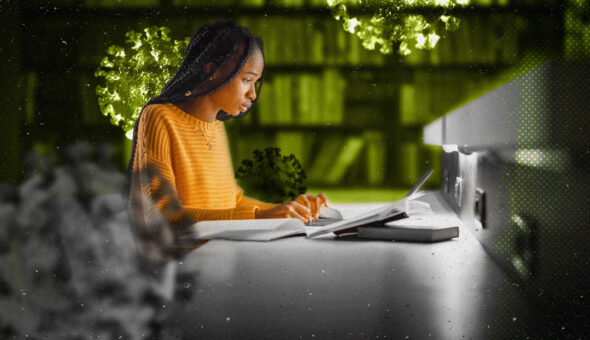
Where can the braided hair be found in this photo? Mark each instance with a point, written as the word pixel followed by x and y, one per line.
pixel 215 55
pixel 225 45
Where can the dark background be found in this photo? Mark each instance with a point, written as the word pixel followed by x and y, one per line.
pixel 66 249
pixel 50 50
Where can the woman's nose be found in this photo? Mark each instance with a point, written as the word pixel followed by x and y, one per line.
pixel 252 93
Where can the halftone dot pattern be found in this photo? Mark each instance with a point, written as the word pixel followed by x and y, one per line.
pixel 541 181
pixel 541 184
pixel 505 246
pixel 577 39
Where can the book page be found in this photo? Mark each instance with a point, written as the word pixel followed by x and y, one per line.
pixel 253 230
pixel 378 214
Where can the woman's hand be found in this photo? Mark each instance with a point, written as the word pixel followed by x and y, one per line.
pixel 313 203
pixel 290 209
pixel 306 208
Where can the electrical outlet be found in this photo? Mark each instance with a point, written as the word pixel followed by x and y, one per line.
pixel 446 183
pixel 523 257
pixel 479 207
pixel 458 191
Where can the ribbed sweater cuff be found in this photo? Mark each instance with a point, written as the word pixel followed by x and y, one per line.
pixel 244 212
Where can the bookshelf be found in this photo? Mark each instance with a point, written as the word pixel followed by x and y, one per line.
pixel 325 98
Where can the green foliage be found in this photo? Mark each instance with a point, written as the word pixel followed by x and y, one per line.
pixel 397 22
pixel 135 73
pixel 271 177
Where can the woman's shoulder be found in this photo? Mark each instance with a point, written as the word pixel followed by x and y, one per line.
pixel 158 113
pixel 161 110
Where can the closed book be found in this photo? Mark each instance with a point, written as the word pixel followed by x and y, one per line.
pixel 415 233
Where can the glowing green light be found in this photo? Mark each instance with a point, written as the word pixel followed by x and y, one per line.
pixel 391 25
pixel 403 49
pixel 135 73
pixel 444 3
pixel 542 158
pixel 433 39
pixel 352 23
pixel 420 41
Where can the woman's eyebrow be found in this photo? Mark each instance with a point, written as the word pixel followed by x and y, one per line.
pixel 253 73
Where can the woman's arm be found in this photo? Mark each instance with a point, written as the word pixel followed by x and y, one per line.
pixel 165 198
pixel 243 200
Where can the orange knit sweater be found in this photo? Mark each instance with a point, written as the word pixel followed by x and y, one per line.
pixel 202 179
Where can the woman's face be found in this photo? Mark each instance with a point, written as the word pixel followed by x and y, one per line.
pixel 237 95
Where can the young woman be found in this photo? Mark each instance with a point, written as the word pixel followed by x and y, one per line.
pixel 180 167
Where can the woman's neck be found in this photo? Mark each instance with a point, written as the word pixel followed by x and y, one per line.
pixel 200 108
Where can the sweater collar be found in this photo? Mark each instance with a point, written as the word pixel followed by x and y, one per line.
pixel 194 122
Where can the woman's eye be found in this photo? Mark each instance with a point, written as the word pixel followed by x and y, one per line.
pixel 247 80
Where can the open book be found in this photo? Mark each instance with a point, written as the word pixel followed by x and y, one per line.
pixel 390 212
pixel 245 230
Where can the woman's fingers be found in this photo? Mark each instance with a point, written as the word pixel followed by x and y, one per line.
pixel 306 207
pixel 324 199
pixel 302 199
pixel 312 202
pixel 300 211
pixel 289 209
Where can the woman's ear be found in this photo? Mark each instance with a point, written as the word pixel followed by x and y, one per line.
pixel 208 68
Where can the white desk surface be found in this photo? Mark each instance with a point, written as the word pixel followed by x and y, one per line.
pixel 343 287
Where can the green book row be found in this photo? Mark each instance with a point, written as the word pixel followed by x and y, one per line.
pixel 487 40
pixel 371 85
pixel 432 94
pixel 287 40
pixel 302 99
pixel 327 160
pixel 309 41
pixel 375 115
